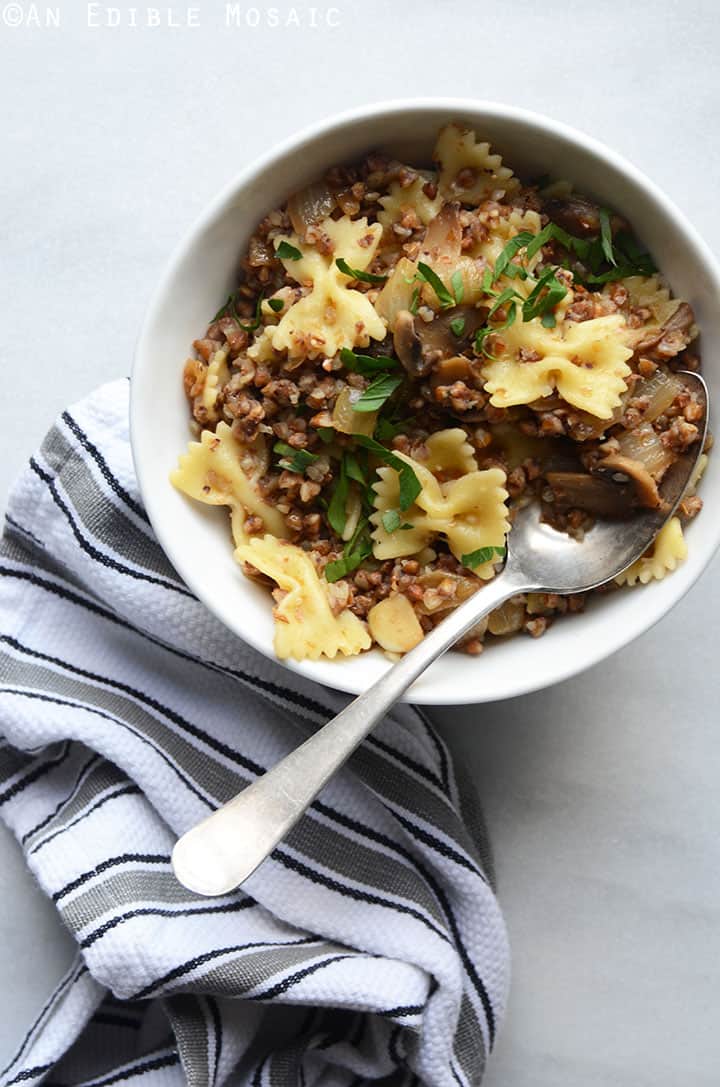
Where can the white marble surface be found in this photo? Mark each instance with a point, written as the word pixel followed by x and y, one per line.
pixel 601 794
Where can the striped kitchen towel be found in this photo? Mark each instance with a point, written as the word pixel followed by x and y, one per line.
pixel 368 949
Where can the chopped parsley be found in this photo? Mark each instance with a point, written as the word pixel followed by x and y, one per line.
pixel 285 251
pixel 410 486
pixel 415 301
pixel 456 282
pixel 457 326
pixel 230 310
pixel 377 392
pixel 482 555
pixel 356 273
pixel 444 296
pixel 354 470
pixel 337 508
pixel 294 460
pixel 606 242
pixel 392 521
pixel 367 364
pixel 275 304
pixel 356 550
pixel 386 429
pixel 543 298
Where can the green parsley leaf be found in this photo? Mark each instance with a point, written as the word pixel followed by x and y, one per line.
pixel 511 250
pixel 355 273
pixel 344 566
pixel 445 298
pixel 620 272
pixel 482 555
pixel 606 239
pixel 223 311
pixel 353 469
pixel 456 281
pixel 337 509
pixel 509 295
pixel 285 251
pixel 410 486
pixel 275 304
pixel 414 301
pixel 480 337
pixel 367 364
pixel 635 256
pixel 295 460
pixel 355 552
pixel 552 232
pixel 326 434
pixel 230 310
pixel 544 297
pixel 380 390
pixel 392 521
pixel 457 326
pixel 386 429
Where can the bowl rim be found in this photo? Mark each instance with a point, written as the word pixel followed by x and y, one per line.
pixel 320 671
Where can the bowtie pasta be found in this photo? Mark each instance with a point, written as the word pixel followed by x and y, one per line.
pixel 411 353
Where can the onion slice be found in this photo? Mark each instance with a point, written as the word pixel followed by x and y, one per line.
pixel 310 206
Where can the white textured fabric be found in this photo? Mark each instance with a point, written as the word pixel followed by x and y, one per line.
pixel 368 948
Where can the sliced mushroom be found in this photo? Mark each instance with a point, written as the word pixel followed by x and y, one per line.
pixel 422 345
pixel 408 345
pixel 670 338
pixel 593 494
pixel 575 214
pixel 621 469
pixel 443 238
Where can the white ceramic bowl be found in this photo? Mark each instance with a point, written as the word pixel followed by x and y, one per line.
pixel 200 275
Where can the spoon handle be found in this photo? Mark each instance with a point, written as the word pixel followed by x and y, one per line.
pixel 220 853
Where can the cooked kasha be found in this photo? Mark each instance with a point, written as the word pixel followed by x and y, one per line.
pixel 412 354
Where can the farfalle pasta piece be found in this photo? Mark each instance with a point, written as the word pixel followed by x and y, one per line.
pixel 585 362
pixel 331 315
pixel 504 229
pixel 668 551
pixel 469 171
pixel 469 512
pixel 305 626
pixel 449 451
pixel 218 470
pixel 399 201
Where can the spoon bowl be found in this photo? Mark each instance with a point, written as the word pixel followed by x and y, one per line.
pixel 225 849
pixel 553 561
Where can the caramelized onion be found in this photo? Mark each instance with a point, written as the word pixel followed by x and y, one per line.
pixel 310 206
pixel 644 445
pixel 347 420
pixel 434 601
pixel 661 389
pixel 508 618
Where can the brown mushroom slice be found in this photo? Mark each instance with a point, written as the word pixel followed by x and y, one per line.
pixel 421 345
pixel 593 494
pixel 574 214
pixel 672 337
pixel 408 345
pixel 443 239
pixel 621 469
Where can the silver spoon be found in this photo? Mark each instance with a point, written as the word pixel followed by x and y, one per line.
pixel 220 853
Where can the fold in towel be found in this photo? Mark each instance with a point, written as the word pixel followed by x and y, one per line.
pixel 368 948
